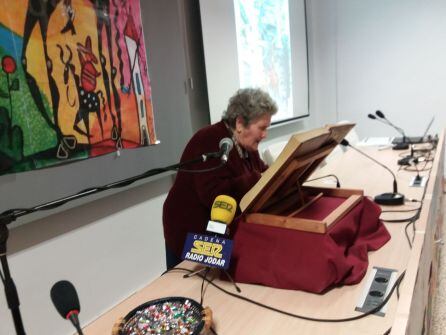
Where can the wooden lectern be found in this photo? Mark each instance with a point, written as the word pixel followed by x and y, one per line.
pixel 279 196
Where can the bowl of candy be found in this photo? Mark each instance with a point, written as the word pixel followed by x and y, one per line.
pixel 166 316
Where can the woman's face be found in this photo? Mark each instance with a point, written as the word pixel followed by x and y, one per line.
pixel 250 136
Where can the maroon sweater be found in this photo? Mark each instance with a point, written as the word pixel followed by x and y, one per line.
pixel 188 204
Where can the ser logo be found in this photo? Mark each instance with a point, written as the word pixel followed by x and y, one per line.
pixel 207 249
pixel 223 205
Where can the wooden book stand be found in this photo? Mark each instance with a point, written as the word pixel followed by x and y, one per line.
pixel 278 197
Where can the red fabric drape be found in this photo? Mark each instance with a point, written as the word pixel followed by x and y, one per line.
pixel 291 259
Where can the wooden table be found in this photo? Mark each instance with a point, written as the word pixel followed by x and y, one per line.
pixel 409 314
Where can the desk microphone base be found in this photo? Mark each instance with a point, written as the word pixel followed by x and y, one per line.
pixel 401 146
pixel 390 199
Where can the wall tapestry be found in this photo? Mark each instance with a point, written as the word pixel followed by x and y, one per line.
pixel 73 81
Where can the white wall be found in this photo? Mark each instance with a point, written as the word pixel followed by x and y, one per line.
pixel 108 249
pixel 391 56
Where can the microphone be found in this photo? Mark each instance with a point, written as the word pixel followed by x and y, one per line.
pixel 398 129
pixel 373 117
pixel 225 146
pixel 212 249
pixel 389 199
pixel 66 301
pixel 222 214
pixel 398 146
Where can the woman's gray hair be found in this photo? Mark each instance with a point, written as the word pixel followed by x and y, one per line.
pixel 250 104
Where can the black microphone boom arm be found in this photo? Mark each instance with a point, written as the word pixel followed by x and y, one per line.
pixel 388 199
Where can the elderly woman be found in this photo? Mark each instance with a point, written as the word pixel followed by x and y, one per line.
pixel 188 204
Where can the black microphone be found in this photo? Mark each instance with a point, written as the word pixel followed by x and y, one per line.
pixel 225 146
pixel 66 301
pixel 373 117
pixel 380 114
pixel 398 129
pixel 389 199
pixel 382 119
pixel 398 146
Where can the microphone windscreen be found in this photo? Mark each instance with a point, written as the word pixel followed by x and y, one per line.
pixel 371 116
pixel 344 142
pixel 380 114
pixel 64 297
pixel 226 141
pixel 223 209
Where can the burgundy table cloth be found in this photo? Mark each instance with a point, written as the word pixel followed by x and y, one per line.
pixel 291 259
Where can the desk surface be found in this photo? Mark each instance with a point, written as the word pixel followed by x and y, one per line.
pixel 404 315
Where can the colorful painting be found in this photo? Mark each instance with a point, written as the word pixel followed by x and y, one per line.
pixel 264 50
pixel 73 81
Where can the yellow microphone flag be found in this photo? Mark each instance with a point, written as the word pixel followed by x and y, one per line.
pixel 223 209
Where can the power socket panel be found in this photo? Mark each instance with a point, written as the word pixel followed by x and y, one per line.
pixel 418 182
pixel 377 286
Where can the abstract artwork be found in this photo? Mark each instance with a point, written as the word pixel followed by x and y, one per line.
pixel 73 81
pixel 264 49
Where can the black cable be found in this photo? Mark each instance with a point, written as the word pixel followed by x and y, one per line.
pixel 398 220
pixel 407 235
pixel 12 214
pixel 338 184
pixel 202 285
pixel 412 218
pixel 372 311
pixel 201 171
pixel 409 169
pixel 401 210
pixel 410 221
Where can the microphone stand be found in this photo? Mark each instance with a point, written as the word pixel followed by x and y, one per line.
pixel 207 268
pixel 11 294
pixel 390 198
pixel 398 146
pixel 381 118
pixel 11 215
pixel 75 322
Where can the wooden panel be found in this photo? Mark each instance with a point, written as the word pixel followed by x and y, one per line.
pixel 415 290
pixel 295 162
pixel 342 210
pixel 289 177
pixel 268 192
pixel 333 192
pixel 311 157
pixel 308 204
pixel 296 174
pixel 287 222
pixel 285 205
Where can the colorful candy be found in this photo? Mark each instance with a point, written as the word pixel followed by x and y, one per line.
pixel 167 318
